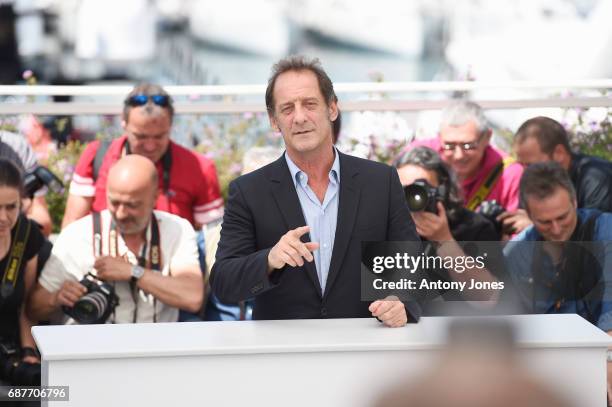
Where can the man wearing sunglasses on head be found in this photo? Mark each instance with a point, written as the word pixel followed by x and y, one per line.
pixel 484 172
pixel 187 181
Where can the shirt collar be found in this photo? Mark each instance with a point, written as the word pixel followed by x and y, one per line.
pixel 297 175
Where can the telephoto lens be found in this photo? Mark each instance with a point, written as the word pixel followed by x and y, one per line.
pixel 96 306
pixel 90 308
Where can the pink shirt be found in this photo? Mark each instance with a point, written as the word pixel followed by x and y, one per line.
pixel 506 189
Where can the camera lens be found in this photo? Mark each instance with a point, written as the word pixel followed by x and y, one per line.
pixel 416 196
pixel 89 308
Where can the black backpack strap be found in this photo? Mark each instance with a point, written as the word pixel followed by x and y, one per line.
pixel 99 158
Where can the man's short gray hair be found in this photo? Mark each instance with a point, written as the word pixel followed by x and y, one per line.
pixel 461 111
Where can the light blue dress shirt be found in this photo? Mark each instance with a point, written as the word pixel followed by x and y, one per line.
pixel 321 217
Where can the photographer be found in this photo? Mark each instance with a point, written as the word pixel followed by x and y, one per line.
pixel 143 263
pixel 484 173
pixel 439 215
pixel 20 241
pixel 15 147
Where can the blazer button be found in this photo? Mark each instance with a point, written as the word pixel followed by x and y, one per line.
pixel 323 312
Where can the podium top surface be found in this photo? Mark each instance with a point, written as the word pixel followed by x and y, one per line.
pixel 72 342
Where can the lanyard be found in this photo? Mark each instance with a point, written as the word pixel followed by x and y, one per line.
pixel 153 262
pixel 13 264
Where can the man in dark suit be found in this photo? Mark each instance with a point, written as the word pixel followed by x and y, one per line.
pixel 292 230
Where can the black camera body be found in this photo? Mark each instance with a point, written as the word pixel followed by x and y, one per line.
pixel 14 371
pixel 491 210
pixel 422 196
pixel 97 304
pixel 39 177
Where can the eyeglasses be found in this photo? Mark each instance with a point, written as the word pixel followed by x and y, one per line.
pixel 451 147
pixel 141 100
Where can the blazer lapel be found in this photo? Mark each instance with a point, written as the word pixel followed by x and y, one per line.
pixel 283 190
pixel 347 212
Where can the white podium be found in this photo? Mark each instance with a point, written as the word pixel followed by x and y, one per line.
pixel 292 363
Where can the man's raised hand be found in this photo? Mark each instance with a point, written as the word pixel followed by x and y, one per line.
pixel 291 250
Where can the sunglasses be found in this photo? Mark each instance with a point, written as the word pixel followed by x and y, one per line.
pixel 141 100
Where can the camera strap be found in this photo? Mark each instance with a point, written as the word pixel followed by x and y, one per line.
pixel 153 261
pixel 97 234
pixel 97 243
pixel 488 184
pixel 14 263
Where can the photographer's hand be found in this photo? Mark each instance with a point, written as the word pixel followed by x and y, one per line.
pixel 113 268
pixel 30 359
pixel 514 222
pixel 433 227
pixel 70 292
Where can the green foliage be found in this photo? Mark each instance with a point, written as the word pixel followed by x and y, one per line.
pixel 227 139
pixel 62 163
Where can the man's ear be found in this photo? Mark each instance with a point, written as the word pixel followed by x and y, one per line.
pixel 273 122
pixel 333 111
pixel 123 124
pixel 559 154
pixel 487 136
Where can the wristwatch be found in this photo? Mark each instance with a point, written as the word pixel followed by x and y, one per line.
pixel 137 272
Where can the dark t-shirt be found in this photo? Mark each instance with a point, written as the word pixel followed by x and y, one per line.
pixel 469 226
pixel 10 307
pixel 592 178
pixel 466 226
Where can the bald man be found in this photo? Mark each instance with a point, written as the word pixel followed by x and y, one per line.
pixel 149 257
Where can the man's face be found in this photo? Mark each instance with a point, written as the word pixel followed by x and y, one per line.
pixel 131 205
pixel 301 113
pixel 463 148
pixel 148 133
pixel 529 152
pixel 554 217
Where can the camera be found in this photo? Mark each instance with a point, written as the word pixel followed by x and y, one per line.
pixel 39 177
pixel 97 304
pixel 422 196
pixel 13 370
pixel 491 210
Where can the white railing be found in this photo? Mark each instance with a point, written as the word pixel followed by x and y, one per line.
pixel 228 93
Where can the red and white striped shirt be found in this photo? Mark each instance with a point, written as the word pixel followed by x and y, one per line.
pixel 194 189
